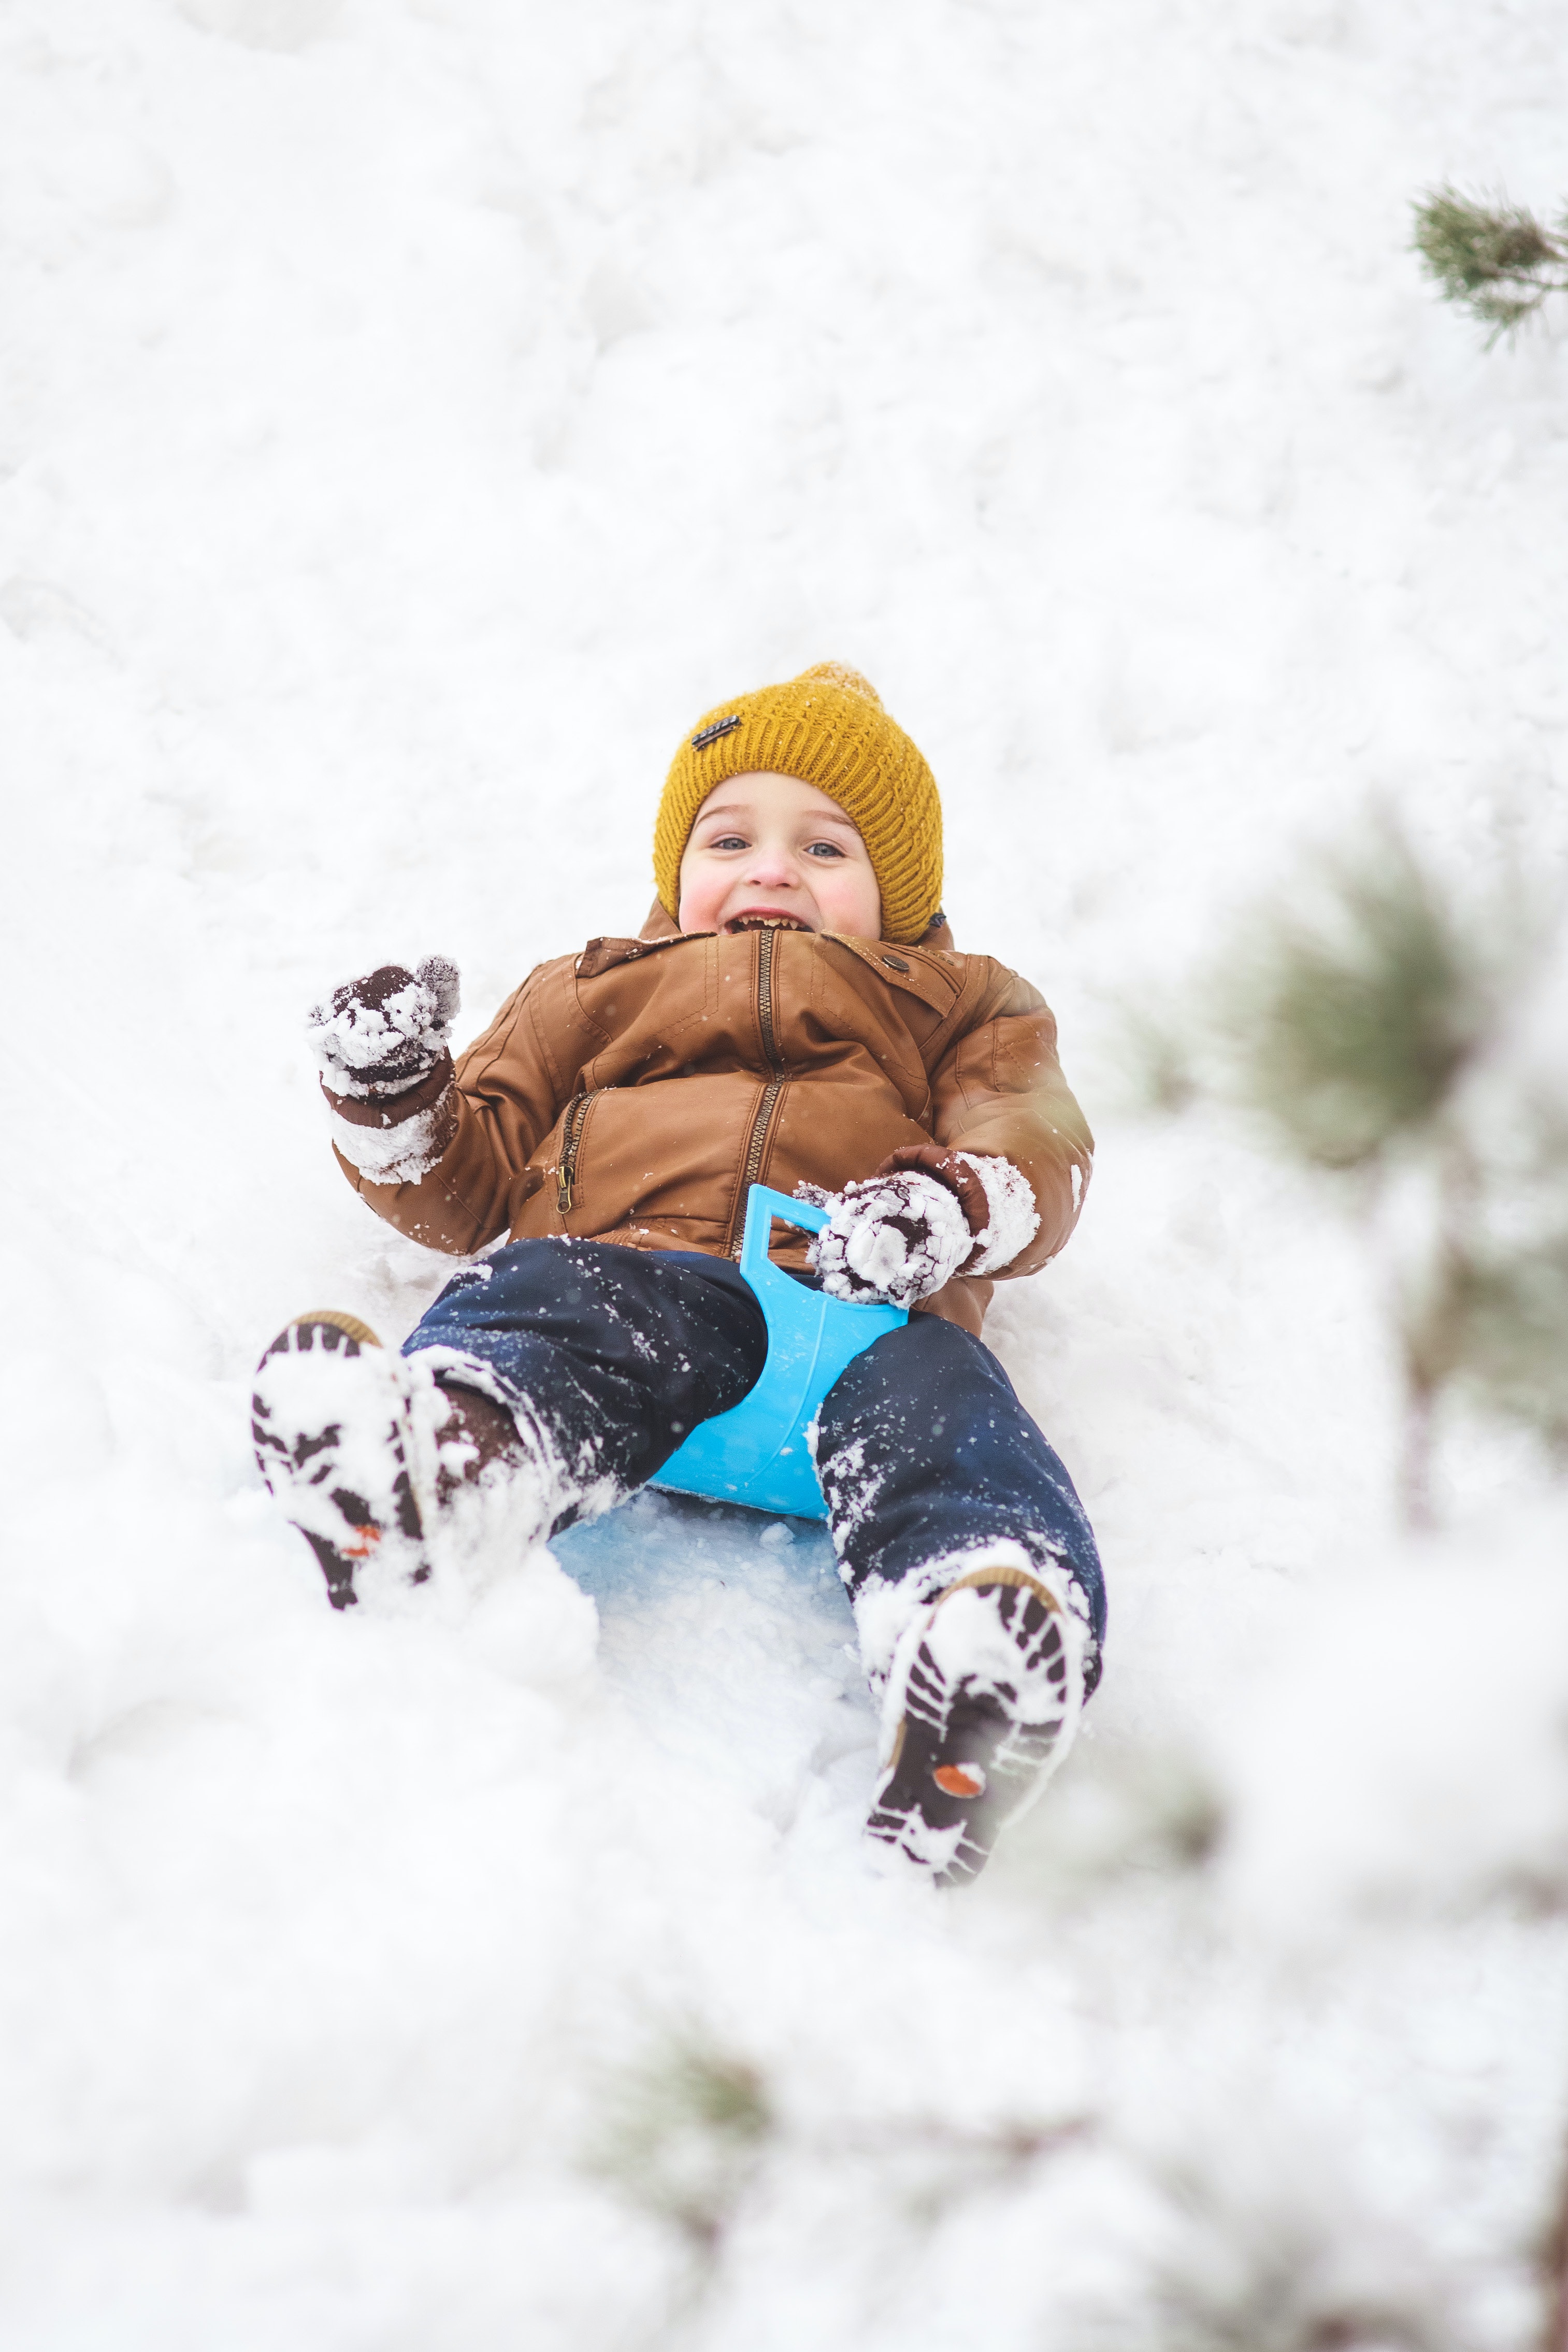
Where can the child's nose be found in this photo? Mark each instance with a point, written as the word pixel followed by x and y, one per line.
pixel 773 868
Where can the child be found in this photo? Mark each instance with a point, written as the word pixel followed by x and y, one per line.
pixel 793 1014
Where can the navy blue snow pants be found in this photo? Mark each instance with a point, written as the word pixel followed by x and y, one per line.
pixel 924 1451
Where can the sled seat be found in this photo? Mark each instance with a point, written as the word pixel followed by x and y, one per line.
pixel 756 1453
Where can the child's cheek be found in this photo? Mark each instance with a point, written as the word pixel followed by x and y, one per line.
pixel 852 902
pixel 701 895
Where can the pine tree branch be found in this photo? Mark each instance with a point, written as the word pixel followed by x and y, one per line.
pixel 1351 1022
pixel 1494 258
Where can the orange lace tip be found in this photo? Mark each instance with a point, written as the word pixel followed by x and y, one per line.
pixel 959 1780
pixel 368 1539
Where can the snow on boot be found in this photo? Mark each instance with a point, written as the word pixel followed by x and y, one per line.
pixel 333 1426
pixel 983 1701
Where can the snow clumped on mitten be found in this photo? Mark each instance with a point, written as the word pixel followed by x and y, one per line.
pixel 897 1238
pixel 382 1032
pixel 1013 1219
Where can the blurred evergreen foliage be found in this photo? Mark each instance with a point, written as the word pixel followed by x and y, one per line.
pixel 1349 1027
pixel 1347 1022
pixel 1507 1309
pixel 1494 258
pixel 1252 2272
pixel 683 2134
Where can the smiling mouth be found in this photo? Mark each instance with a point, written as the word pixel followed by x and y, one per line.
pixel 766 923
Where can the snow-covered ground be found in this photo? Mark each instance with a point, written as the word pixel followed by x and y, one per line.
pixel 415 412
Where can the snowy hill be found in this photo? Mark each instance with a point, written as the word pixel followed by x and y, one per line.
pixel 417 412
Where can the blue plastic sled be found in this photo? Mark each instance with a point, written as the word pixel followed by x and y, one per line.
pixel 757 1453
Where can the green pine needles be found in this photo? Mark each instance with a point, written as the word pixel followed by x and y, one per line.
pixel 684 2135
pixel 1352 1024
pixel 1361 1025
pixel 689 2132
pixel 1494 258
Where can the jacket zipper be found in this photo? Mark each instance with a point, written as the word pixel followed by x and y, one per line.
pixel 571 1138
pixel 765 945
pixel 771 1091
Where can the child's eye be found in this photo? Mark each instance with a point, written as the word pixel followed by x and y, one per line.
pixel 823 849
pixel 728 841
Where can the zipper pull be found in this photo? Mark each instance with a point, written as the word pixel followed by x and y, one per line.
pixel 563 1188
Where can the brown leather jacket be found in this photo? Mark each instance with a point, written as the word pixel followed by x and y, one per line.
pixel 633 1092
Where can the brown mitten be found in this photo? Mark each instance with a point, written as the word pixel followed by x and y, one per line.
pixel 999 1206
pixel 897 1237
pixel 379 1035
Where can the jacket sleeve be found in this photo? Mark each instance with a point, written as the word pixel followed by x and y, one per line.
pixel 447 1162
pixel 998 1091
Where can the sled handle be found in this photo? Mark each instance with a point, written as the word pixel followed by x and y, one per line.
pixel 762 1206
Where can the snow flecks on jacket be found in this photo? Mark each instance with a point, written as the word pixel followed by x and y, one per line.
pixel 630 1094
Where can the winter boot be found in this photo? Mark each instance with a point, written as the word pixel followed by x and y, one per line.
pixel 365 1449
pixel 331 1422
pixel 983 1700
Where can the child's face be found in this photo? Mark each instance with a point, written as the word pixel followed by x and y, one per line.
pixel 770 849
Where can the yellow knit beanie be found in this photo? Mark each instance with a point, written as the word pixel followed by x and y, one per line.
pixel 828 728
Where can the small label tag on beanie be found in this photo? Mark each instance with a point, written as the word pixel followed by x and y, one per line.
pixel 706 735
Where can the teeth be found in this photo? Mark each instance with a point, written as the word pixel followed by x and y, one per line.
pixel 766 923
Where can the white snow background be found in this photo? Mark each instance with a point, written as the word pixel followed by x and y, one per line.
pixel 416 412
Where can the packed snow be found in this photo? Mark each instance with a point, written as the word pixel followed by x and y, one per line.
pixel 375 1041
pixel 418 412
pixel 897 1237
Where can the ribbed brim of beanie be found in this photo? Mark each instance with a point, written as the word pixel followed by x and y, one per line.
pixel 828 728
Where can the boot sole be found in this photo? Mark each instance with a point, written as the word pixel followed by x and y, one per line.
pixel 961 1759
pixel 287 1462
